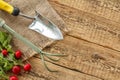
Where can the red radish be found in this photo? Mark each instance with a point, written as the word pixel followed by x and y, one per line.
pixel 4 52
pixel 18 54
pixel 27 67
pixel 16 69
pixel 13 78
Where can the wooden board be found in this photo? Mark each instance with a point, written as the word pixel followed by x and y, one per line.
pixel 92 45
pixel 94 28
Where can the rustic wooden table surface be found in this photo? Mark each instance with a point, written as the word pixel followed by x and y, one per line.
pixel 92 45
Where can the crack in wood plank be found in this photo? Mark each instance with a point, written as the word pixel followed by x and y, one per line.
pixel 91 42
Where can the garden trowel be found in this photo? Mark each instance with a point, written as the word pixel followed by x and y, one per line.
pixel 40 24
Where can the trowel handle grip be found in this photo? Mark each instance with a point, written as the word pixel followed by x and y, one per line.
pixel 9 8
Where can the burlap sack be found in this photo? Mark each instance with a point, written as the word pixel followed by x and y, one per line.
pixel 20 24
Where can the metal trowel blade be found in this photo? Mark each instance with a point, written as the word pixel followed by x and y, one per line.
pixel 46 28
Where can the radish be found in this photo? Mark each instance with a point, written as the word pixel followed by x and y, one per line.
pixel 16 69
pixel 18 54
pixel 27 67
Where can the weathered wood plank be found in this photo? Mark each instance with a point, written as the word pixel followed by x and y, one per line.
pixel 89 44
pixel 109 9
pixel 84 56
pixel 40 73
pixel 88 58
pixel 88 26
pixel 94 33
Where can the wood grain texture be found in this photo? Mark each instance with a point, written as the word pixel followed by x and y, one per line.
pixel 92 45
pixel 63 74
pixel 108 9
pixel 90 27
pixel 88 58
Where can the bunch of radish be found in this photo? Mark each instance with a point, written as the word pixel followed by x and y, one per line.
pixel 16 68
pixel 10 60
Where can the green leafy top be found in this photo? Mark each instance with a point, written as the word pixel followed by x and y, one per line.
pixel 5 39
pixel 6 63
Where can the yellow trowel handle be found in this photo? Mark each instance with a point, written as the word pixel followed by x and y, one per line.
pixel 8 8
